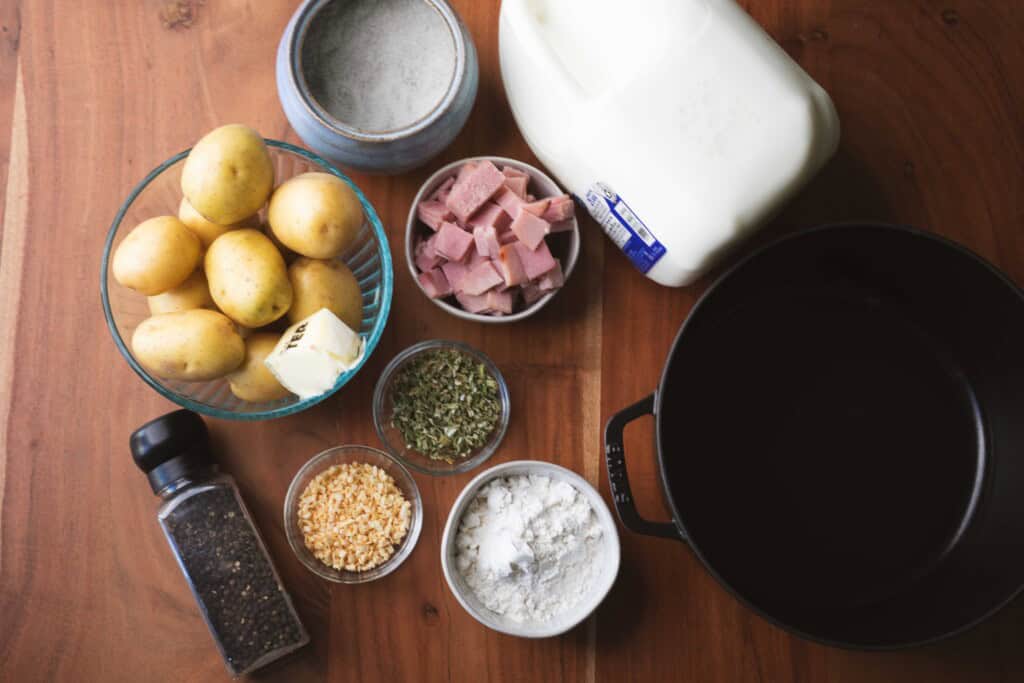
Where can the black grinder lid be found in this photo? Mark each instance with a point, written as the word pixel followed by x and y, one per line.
pixel 170 447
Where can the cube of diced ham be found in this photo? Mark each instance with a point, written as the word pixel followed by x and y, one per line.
pixel 443 190
pixel 452 242
pixel 480 278
pixel 518 185
pixel 510 266
pixel 530 229
pixel 561 226
pixel 433 213
pixel 509 201
pixel 475 257
pixel 472 190
pixel 537 261
pixel 472 303
pixel 513 172
pixel 538 207
pixel 465 170
pixel 531 292
pixel 553 279
pixel 426 256
pixel 490 215
pixel 435 284
pixel 500 302
pixel 486 239
pixel 560 208
pixel 455 272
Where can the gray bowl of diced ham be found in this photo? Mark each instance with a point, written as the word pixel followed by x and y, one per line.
pixel 491 239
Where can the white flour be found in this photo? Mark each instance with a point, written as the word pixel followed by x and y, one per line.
pixel 529 547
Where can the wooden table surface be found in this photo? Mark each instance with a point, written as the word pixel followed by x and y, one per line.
pixel 94 94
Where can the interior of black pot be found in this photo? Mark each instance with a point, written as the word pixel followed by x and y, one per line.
pixel 840 436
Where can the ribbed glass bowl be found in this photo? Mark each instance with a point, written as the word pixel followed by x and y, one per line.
pixel 159 194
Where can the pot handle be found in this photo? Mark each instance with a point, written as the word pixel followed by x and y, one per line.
pixel 615 459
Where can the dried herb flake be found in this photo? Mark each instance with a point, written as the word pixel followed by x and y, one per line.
pixel 446 404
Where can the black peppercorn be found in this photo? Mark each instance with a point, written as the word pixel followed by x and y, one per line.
pixel 231 575
pixel 232 579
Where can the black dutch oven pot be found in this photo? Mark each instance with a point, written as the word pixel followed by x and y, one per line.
pixel 840 439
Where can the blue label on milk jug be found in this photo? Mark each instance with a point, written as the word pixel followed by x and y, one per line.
pixel 623 226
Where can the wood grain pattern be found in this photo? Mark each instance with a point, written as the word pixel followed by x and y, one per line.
pixel 931 97
pixel 12 250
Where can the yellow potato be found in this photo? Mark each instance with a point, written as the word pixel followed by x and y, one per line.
pixel 228 175
pixel 287 253
pixel 194 346
pixel 315 214
pixel 192 293
pixel 248 279
pixel 157 255
pixel 252 381
pixel 325 284
pixel 207 231
pixel 277 327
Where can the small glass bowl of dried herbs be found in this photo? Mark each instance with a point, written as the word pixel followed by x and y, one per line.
pixel 441 407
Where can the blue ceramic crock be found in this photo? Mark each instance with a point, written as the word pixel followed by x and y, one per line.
pixel 384 152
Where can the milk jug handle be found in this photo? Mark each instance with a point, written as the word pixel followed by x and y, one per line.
pixel 524 26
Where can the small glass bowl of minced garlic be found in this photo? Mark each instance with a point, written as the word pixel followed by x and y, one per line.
pixel 353 514
pixel 441 407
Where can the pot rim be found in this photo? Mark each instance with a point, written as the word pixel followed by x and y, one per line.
pixel 297 77
pixel 659 393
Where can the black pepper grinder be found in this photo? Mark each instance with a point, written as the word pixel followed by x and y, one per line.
pixel 217 546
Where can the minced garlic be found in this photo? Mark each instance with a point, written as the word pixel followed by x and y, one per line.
pixel 353 516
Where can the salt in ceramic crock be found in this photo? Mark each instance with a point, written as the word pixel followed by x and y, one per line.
pixel 388 152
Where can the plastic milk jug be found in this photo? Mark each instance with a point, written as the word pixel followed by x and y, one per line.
pixel 680 124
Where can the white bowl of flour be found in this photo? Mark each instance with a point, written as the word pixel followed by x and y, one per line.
pixel 530 549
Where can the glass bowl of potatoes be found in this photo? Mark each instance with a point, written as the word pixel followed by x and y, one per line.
pixel 195 322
